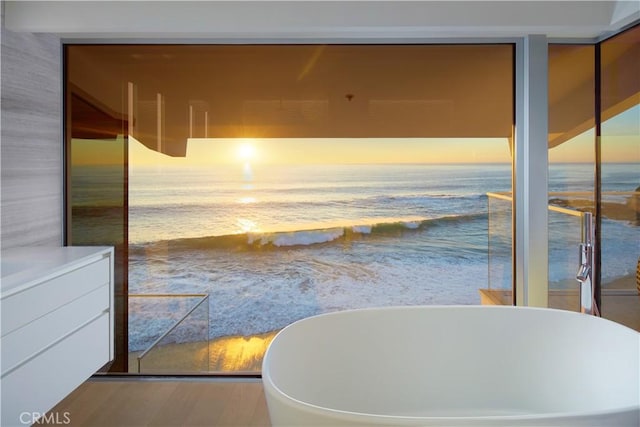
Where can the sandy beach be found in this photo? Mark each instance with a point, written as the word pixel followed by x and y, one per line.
pixel 626 282
pixel 243 354
pixel 228 354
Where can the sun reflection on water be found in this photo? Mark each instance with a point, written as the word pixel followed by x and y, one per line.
pixel 247 225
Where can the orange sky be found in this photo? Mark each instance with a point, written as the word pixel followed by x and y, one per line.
pixel 202 152
pixel 330 151
pixel 621 143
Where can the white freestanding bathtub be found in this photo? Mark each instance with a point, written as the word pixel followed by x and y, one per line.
pixel 454 366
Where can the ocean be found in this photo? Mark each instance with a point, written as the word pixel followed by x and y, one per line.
pixel 274 244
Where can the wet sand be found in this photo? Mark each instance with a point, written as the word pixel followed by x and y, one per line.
pixel 626 282
pixel 237 354
pixel 240 354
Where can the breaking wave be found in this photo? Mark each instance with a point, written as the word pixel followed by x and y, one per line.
pixel 313 234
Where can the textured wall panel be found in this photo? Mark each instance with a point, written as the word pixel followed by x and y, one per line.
pixel 31 144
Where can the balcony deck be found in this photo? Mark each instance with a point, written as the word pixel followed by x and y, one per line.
pixel 623 308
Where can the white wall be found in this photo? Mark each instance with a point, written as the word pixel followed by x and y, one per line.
pixel 31 145
pixel 267 19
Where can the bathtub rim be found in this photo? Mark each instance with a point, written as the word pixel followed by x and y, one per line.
pixel 409 420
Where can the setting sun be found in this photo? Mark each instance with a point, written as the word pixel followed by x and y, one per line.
pixel 246 151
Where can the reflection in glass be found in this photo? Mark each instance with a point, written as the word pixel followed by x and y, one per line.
pixel 620 152
pixel 96 183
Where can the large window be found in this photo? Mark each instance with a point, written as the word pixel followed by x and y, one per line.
pixel 250 186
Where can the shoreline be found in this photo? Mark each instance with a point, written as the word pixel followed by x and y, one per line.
pixel 231 354
pixel 244 354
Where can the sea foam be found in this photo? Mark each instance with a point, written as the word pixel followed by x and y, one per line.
pixel 297 238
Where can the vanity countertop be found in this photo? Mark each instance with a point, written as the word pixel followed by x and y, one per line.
pixel 23 267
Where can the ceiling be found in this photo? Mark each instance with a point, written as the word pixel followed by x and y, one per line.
pixel 314 84
pixel 319 20
pixel 294 91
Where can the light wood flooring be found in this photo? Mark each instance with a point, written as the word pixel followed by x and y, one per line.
pixel 164 402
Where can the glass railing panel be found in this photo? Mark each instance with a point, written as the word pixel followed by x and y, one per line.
pixel 500 262
pixel 565 236
pixel 172 333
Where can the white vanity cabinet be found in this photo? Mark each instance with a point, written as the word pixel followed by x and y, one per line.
pixel 56 308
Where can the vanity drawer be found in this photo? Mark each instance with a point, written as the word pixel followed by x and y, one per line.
pixel 36 301
pixel 25 342
pixel 47 378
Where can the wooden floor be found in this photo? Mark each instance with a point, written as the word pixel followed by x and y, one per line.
pixel 133 403
pixel 202 401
